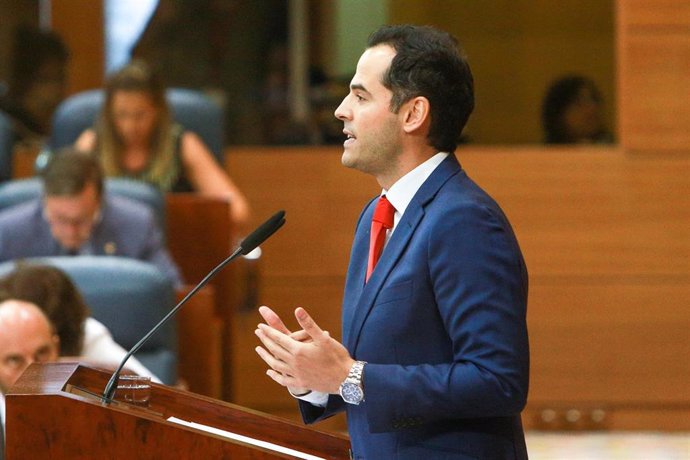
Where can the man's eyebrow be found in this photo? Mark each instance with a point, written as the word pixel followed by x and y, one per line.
pixel 358 86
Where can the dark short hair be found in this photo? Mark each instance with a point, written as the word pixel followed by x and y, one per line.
pixel 429 63
pixel 50 289
pixel 69 171
pixel 560 95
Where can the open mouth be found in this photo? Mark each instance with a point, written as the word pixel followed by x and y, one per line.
pixel 350 138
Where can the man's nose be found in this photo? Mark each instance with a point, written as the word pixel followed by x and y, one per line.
pixel 341 112
pixel 29 361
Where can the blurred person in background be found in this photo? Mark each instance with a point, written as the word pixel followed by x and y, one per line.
pixel 80 335
pixel 38 81
pixel 76 217
pixel 26 336
pixel 572 112
pixel 136 137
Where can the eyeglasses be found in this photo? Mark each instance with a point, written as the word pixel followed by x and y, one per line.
pixel 64 221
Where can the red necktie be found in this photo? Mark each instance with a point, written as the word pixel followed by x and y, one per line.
pixel 381 222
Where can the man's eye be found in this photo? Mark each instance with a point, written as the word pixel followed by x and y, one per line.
pixel 14 361
pixel 43 355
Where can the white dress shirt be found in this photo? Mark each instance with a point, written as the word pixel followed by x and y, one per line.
pixel 100 347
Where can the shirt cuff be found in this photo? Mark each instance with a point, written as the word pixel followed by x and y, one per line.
pixel 316 398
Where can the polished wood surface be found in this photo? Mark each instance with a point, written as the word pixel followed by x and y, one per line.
pixel 200 343
pixel 45 419
pixel 606 237
pixel 653 53
pixel 24 161
pixel 80 24
pixel 200 236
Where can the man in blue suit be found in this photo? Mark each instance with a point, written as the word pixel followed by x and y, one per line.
pixel 435 361
pixel 76 217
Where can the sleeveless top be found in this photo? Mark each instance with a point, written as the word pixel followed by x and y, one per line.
pixel 174 178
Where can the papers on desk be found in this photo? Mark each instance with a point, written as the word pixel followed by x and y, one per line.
pixel 245 439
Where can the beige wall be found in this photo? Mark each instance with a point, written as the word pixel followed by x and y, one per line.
pixel 515 48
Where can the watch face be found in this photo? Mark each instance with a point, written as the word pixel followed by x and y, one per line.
pixel 351 393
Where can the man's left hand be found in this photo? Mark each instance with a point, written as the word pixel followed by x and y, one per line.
pixel 319 363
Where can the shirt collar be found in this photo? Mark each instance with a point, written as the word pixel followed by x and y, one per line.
pixel 401 193
pixel 2 413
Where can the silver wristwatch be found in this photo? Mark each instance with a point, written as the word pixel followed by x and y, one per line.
pixel 351 389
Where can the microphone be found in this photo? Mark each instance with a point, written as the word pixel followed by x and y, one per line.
pixel 262 233
pixel 247 245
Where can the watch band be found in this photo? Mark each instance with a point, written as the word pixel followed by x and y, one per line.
pixel 352 390
pixel 356 371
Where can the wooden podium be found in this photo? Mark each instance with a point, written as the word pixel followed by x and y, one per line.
pixel 55 411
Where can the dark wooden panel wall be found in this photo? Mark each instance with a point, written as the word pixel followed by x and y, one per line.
pixel 654 74
pixel 606 236
pixel 80 24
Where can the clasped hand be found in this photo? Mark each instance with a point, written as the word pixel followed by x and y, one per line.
pixel 308 359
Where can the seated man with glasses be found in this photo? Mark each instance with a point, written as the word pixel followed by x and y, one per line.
pixel 75 217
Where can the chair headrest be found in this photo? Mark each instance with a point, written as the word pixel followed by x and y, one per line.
pixel 22 190
pixel 191 108
pixel 129 296
pixel 18 191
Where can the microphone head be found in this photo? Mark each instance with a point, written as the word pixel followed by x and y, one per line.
pixel 262 233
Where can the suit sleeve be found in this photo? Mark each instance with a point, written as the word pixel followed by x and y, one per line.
pixel 477 279
pixel 311 413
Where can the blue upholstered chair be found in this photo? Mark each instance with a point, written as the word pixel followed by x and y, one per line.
pixel 6 146
pixel 21 190
pixel 129 297
pixel 192 109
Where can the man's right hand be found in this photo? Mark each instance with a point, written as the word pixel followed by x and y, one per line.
pixel 273 320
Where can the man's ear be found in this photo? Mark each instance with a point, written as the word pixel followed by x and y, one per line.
pixel 416 113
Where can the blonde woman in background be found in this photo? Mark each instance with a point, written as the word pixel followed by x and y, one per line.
pixel 135 137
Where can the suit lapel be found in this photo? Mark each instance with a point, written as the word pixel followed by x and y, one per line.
pixel 359 298
pixel 354 283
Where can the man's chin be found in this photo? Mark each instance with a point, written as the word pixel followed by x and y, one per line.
pixel 348 159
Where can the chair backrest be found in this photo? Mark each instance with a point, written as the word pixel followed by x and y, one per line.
pixel 129 297
pixel 6 147
pixel 141 192
pixel 192 109
pixel 21 190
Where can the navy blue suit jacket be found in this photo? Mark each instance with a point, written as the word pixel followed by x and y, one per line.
pixel 126 228
pixel 442 325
